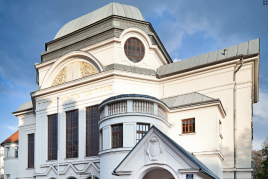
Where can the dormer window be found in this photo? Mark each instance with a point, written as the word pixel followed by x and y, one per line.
pixel 134 50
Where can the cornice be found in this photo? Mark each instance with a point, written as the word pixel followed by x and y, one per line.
pixel 92 78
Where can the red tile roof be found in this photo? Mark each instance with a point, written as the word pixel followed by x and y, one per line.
pixel 14 138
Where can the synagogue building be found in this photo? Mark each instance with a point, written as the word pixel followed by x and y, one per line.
pixel 127 111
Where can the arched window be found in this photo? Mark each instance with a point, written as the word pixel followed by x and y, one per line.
pixel 134 49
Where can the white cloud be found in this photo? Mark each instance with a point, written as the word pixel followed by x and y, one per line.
pixel 176 60
pixel 257 144
pixel 13 128
pixel 260 109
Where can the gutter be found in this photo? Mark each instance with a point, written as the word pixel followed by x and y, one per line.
pixel 242 62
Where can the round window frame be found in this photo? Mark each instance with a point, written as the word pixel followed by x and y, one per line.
pixel 143 46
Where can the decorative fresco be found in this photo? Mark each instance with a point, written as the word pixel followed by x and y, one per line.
pixel 74 70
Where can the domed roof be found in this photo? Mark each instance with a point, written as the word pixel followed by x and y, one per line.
pixel 101 13
pixel 26 105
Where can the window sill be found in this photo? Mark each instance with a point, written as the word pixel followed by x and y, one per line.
pixel 192 133
pixel 71 158
pixel 92 157
pixel 29 168
pixel 51 160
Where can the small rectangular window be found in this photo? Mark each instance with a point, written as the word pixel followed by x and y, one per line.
pixel 117 136
pixel 8 176
pixel 141 130
pixel 16 152
pixel 188 125
pixel 8 152
pixel 30 150
pixel 72 134
pixel 52 137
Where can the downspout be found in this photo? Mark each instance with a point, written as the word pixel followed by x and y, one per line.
pixel 242 62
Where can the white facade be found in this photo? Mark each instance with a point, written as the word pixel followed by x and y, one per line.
pixel 222 139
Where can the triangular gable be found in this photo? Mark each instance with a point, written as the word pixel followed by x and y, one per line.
pixel 157 149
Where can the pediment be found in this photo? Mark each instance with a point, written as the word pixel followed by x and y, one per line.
pixel 157 150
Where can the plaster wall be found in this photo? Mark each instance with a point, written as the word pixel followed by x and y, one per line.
pixel 27 125
pixel 113 52
pixel 206 137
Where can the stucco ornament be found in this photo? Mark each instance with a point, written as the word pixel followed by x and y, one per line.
pixel 60 78
pixel 87 69
pixel 74 70
pixel 154 149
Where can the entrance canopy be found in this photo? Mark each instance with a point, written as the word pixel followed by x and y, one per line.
pixel 158 155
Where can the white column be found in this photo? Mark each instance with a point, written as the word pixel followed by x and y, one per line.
pixel 62 137
pixel 81 133
pixel 105 110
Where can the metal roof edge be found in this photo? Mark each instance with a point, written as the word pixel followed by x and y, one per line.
pixel 206 65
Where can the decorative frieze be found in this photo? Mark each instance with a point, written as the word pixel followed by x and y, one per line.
pixel 74 71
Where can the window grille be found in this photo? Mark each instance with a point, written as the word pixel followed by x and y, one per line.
pixel 52 137
pixel 117 136
pixel 92 131
pixel 30 150
pixel 162 113
pixel 141 130
pixel 143 107
pixel 117 108
pixel 72 134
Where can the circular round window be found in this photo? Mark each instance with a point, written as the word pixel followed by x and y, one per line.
pixel 134 50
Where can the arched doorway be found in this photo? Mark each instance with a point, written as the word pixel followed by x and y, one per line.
pixel 158 173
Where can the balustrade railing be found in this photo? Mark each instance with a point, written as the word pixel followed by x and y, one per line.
pixel 117 108
pixel 138 106
pixel 161 113
pixel 102 113
pixel 143 107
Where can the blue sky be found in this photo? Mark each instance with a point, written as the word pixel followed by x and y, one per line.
pixel 186 28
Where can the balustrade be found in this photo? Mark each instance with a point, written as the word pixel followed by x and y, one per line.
pixel 138 106
pixel 143 107
pixel 161 113
pixel 117 108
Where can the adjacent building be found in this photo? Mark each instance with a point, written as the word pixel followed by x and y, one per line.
pixel 11 150
pixel 1 162
pixel 127 111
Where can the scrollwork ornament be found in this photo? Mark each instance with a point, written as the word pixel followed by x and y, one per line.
pixel 154 149
pixel 87 69
pixel 60 78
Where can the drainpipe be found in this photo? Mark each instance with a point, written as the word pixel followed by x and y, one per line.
pixel 242 62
